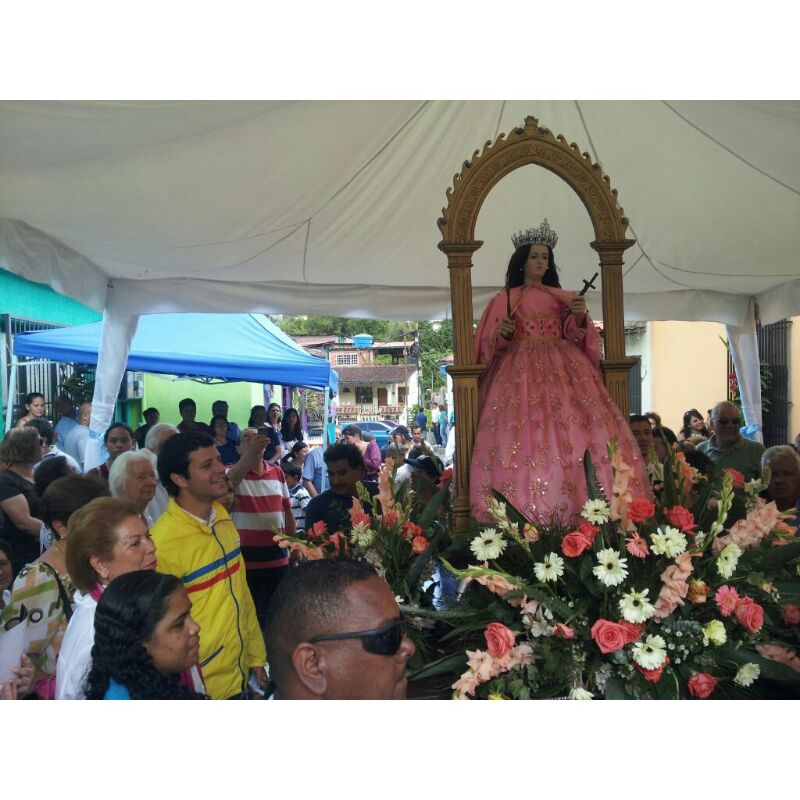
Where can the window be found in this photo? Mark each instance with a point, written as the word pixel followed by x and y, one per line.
pixel 364 395
pixel 347 360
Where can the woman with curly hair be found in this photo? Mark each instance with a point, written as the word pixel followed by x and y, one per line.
pixel 146 643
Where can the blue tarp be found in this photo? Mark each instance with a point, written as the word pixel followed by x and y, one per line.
pixel 235 347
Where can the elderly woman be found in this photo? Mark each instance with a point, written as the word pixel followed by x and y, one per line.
pixel 19 451
pixel 133 477
pixel 784 482
pixel 41 597
pixel 107 538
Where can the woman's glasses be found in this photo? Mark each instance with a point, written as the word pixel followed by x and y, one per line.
pixel 383 641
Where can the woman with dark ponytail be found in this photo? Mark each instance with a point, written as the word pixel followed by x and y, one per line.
pixel 146 643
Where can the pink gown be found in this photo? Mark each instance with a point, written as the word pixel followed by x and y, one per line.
pixel 542 404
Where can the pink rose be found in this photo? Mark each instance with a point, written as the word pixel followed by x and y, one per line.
pixel 633 630
pixel 653 675
pixel 791 615
pixel 562 631
pixel 681 518
pixel 641 509
pixel 750 614
pixel 609 636
pixel 702 685
pixel 499 639
pixel 573 544
pixel 419 544
pixel 738 478
pixel 318 530
pixel 588 531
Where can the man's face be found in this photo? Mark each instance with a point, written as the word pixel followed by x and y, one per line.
pixel 352 672
pixel 152 418
pixel 416 435
pixel 188 413
pixel 726 422
pixel 206 479
pixel 343 478
pixel 784 482
pixel 643 434
pixel 118 441
pixel 85 414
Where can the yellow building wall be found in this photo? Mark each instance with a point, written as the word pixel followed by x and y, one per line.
pixel 689 367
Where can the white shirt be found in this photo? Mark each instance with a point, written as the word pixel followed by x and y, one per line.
pixel 450 448
pixel 75 656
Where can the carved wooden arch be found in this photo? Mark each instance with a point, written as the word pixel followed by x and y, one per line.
pixel 527 145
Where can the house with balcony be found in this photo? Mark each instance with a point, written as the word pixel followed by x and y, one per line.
pixel 377 380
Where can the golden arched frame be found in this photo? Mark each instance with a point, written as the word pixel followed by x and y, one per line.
pixel 527 145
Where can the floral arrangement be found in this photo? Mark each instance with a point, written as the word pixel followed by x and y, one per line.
pixel 385 531
pixel 648 597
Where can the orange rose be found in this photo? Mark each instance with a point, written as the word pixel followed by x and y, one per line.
pixel 609 636
pixel 419 544
pixel 750 614
pixel 573 544
pixel 641 509
pixel 702 685
pixel 499 639
pixel 698 592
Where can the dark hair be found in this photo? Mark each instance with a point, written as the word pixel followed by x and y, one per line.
pixel 515 274
pixel 275 405
pixel 353 430
pixel 667 433
pixel 344 452
pixel 218 402
pixel 148 411
pixel 215 418
pixel 64 496
pixel 44 428
pixel 288 433
pixel 20 445
pixel 187 401
pixel 687 430
pixel 49 470
pixel 403 431
pixel 652 416
pixel 297 447
pixel 253 410
pixel 29 397
pixel 118 425
pixel 126 616
pixel 308 602
pixel 699 460
pixel 174 456
pixel 291 469
pixel 5 547
pixel 637 418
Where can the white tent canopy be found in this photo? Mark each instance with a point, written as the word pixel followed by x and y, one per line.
pixel 331 207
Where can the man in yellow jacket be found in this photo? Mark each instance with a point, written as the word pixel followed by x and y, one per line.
pixel 197 542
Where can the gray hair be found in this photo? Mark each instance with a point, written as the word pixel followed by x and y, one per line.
pixel 120 470
pixel 156 436
pixel 780 451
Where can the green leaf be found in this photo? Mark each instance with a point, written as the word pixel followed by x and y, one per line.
pixel 669 687
pixel 772 670
pixel 592 487
pixel 789 591
pixel 768 559
pixel 615 689
pixel 454 663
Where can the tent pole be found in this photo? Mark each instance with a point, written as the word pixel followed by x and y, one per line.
pixel 12 392
pixel 325 440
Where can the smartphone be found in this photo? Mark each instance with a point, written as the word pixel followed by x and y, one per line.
pixel 263 431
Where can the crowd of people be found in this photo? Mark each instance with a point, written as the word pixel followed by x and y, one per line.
pixel 155 574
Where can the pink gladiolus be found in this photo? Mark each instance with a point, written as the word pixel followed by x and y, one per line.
pixel 775 652
pixel 495 583
pixel 675 586
pixel 562 631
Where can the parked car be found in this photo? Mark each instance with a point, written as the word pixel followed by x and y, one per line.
pixel 380 430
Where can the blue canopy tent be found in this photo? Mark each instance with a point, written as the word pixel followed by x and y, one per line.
pixel 233 347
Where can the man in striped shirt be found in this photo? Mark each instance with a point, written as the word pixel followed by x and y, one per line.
pixel 262 509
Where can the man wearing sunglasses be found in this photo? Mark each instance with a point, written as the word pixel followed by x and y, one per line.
pixel 727 448
pixel 334 632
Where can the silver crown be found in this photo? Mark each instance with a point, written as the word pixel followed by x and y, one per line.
pixel 544 234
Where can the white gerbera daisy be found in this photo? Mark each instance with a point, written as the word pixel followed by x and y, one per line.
pixel 580 694
pixel 651 653
pixel 596 511
pixel 667 541
pixel 551 569
pixel 747 675
pixel 635 606
pixel 728 559
pixel 612 569
pixel 488 544
pixel 714 633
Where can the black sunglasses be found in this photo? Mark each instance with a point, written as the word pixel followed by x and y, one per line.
pixel 383 641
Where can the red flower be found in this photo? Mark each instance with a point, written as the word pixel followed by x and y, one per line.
pixel 419 544
pixel 702 685
pixel 588 531
pixel 318 530
pixel 641 509
pixel 390 518
pixel 738 478
pixel 339 543
pixel 791 615
pixel 573 544
pixel 653 675
pixel 681 518
pixel 499 639
pixel 750 614
pixel 633 630
pixel 410 531
pixel 444 477
pixel 360 519
pixel 609 636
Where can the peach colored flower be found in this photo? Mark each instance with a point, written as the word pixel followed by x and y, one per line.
pixel 791 615
pixel 698 592
pixel 482 664
pixel 499 639
pixel 609 636
pixel 726 598
pixel 410 531
pixel 750 614
pixel 391 518
pixel 339 543
pixel 701 685
pixel 466 684
pixel 681 518
pixel 641 509
pixel 637 546
pixel 562 631
pixel 530 533
pixel 495 583
pixel 689 476
pixel 318 530
pixel 419 544
pixel 385 486
pixel 674 587
pixel 775 652
pixel 573 544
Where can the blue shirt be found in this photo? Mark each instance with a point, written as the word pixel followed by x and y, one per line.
pixel 315 470
pixel 422 421
pixel 116 691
